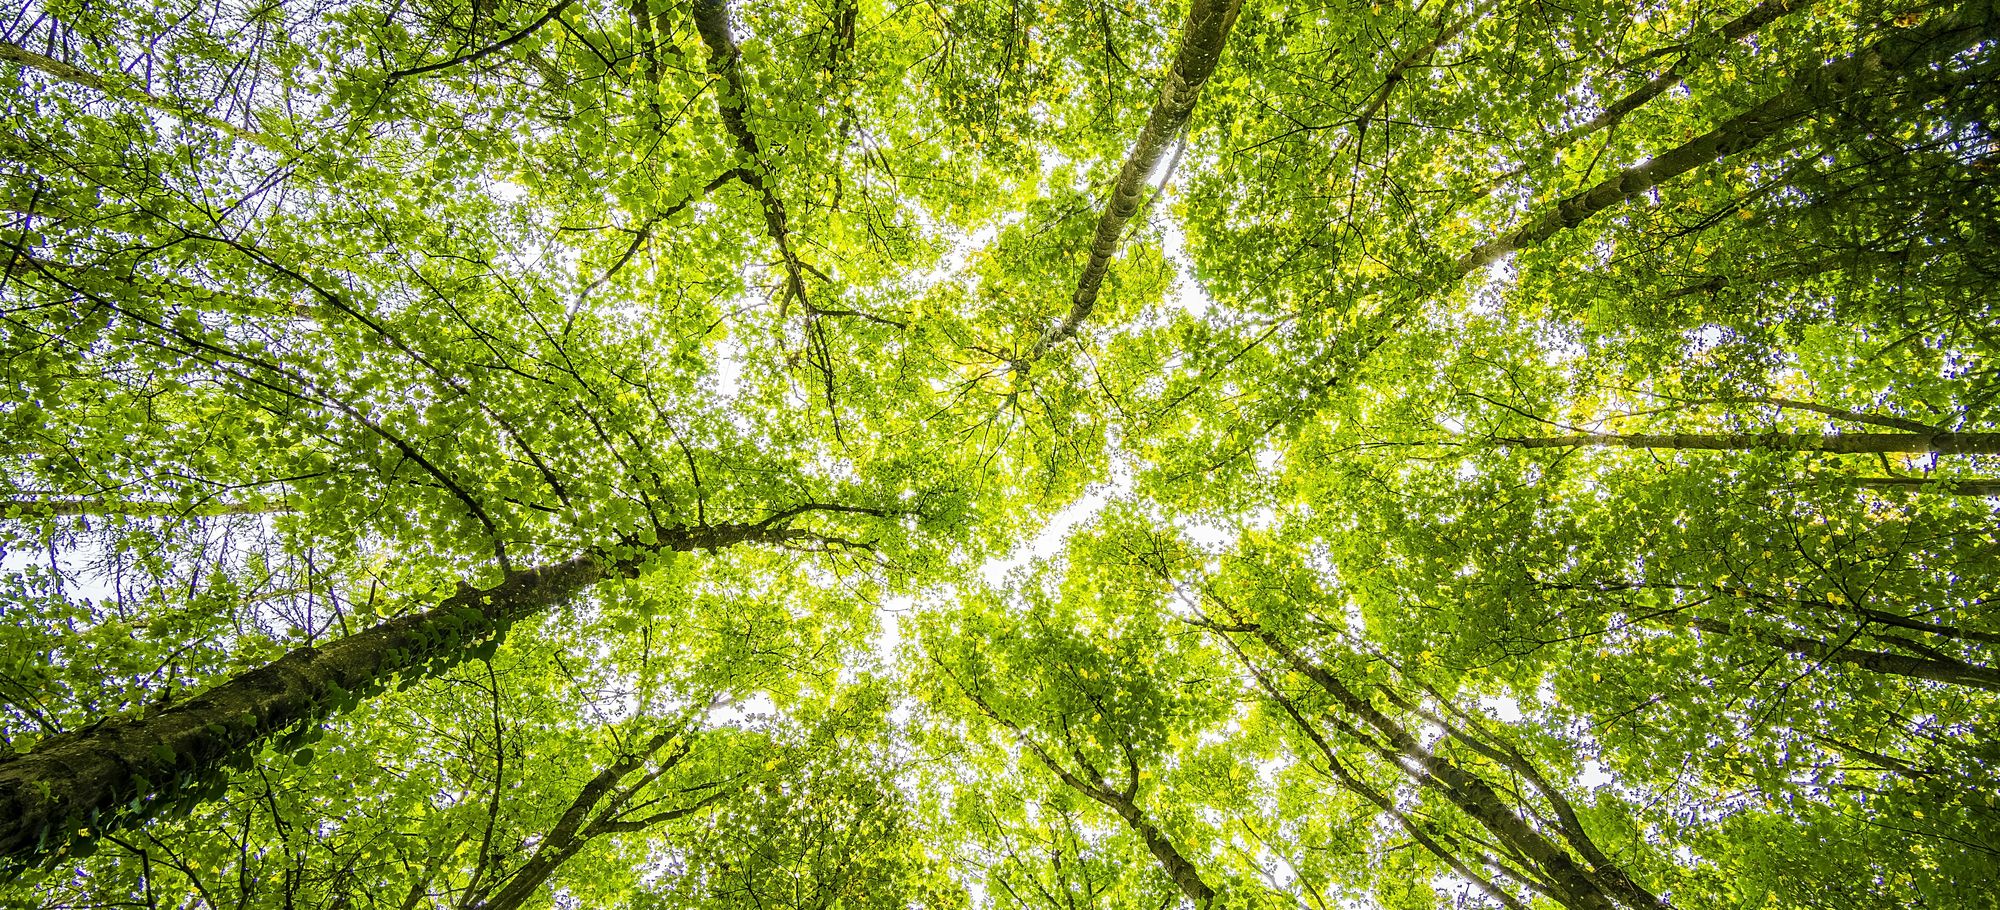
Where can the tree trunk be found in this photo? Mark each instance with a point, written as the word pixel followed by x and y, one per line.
pixel 725 61
pixel 1979 487
pixel 1838 443
pixel 1948 671
pixel 1178 867
pixel 1564 879
pixel 118 88
pixel 577 827
pixel 1354 784
pixel 123 766
pixel 1202 39
pixel 40 507
pixel 1736 30
pixel 1914 50
pixel 110 773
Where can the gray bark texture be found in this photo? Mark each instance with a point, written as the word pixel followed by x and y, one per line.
pixel 85 780
pixel 1202 39
pixel 120 769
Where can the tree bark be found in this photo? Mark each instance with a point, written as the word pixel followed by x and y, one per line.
pixel 108 774
pixel 1178 867
pixel 1202 39
pixel 1567 881
pixel 1736 30
pixel 1949 487
pixel 118 88
pixel 1950 672
pixel 40 507
pixel 1838 443
pixel 577 827
pixel 725 61
pixel 1912 49
pixel 1354 784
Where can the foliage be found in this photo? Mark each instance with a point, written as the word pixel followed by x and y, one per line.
pixel 836 453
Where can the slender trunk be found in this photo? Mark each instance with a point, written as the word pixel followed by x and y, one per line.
pixel 725 61
pixel 1914 50
pixel 1178 867
pixel 1354 784
pixel 1948 487
pixel 109 773
pixel 1736 30
pixel 1838 443
pixel 1951 672
pixel 1474 735
pixel 1565 880
pixel 119 88
pixel 39 507
pixel 1202 39
pixel 577 827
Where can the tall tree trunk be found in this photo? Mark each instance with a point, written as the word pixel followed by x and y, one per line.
pixel 46 507
pixel 1913 50
pixel 725 61
pixel 1202 39
pixel 120 88
pixel 1948 487
pixel 1562 877
pixel 110 773
pixel 1125 802
pixel 1177 866
pixel 1838 443
pixel 1944 670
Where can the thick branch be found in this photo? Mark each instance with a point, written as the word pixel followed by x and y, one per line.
pixel 1947 486
pixel 1837 443
pixel 49 792
pixel 1952 672
pixel 66 781
pixel 119 88
pixel 476 55
pixel 725 62
pixel 130 508
pixel 1913 49
pixel 1736 30
pixel 1202 39
pixel 1790 404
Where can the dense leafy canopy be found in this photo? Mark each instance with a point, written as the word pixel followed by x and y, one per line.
pixel 823 454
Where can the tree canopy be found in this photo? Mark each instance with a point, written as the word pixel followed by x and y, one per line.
pixel 826 454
